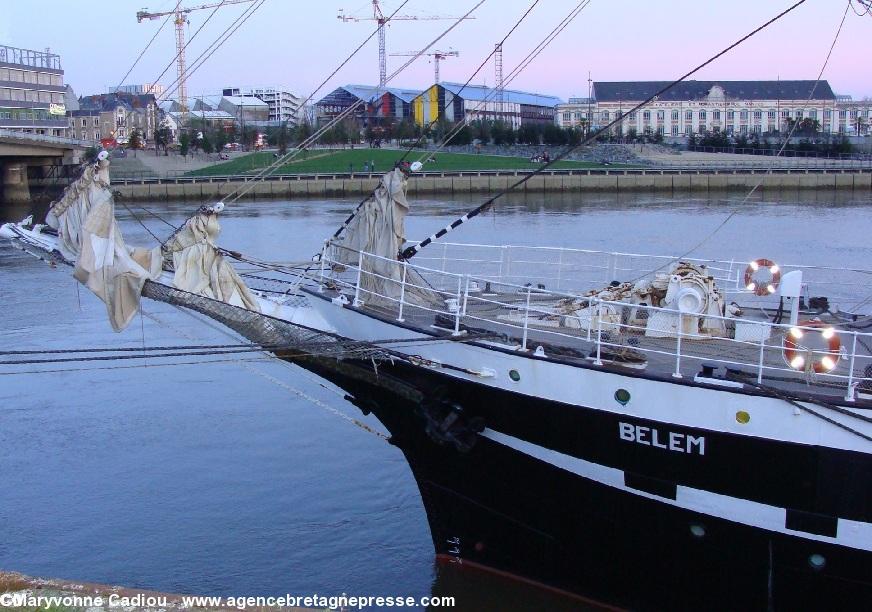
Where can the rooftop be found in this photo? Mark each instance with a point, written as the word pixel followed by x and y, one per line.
pixel 111 101
pixel 482 92
pixel 369 92
pixel 246 101
pixel 205 114
pixel 30 57
pixel 617 91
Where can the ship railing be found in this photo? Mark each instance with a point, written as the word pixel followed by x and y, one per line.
pixel 578 270
pixel 606 332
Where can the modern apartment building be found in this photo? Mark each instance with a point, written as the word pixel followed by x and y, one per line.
pixel 284 106
pixel 32 91
pixel 156 89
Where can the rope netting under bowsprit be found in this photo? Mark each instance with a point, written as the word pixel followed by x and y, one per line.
pixel 269 332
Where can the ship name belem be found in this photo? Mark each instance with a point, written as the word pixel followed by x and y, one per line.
pixel 667 440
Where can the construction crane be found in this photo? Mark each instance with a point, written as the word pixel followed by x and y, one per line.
pixel 379 17
pixel 181 18
pixel 500 86
pixel 437 56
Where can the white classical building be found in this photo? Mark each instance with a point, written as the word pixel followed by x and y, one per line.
pixel 697 107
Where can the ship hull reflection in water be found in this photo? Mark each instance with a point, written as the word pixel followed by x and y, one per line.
pixel 497 510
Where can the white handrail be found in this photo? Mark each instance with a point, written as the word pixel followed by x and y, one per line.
pixel 515 298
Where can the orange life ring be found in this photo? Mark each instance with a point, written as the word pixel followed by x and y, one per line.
pixel 824 360
pixel 762 288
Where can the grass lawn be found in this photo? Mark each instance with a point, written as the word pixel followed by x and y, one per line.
pixel 330 161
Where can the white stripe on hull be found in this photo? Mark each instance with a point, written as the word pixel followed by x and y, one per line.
pixel 852 534
pixel 668 403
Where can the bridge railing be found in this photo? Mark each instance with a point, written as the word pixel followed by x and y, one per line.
pixel 46 139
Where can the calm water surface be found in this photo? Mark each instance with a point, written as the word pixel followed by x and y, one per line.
pixel 211 477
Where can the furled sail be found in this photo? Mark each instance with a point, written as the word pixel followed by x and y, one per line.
pixel 89 235
pixel 200 268
pixel 378 231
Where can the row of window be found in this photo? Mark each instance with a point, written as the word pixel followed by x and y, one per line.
pixel 27 114
pixel 31 95
pixel 84 121
pixel 743 129
pixel 702 115
pixel 55 132
pixel 29 76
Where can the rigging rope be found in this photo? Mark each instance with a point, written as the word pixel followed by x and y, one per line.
pixel 301 394
pixel 136 61
pixel 773 392
pixel 516 71
pixel 349 57
pixel 238 22
pixel 248 185
pixel 420 139
pixel 140 221
pixel 759 182
pixel 139 366
pixel 187 42
pixel 310 348
pixel 411 251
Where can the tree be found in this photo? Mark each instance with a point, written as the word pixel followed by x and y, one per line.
pixel 808 127
pixel 715 139
pixel 220 139
pixel 844 146
pixel 184 143
pixel 573 136
pixel 282 138
pixel 463 136
pixel 528 134
pixel 481 131
pixel 163 137
pixel 554 135
pixel 404 130
pixel 302 131
pixel 206 144
pixel 135 140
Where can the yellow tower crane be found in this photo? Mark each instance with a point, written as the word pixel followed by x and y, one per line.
pixel 181 18
pixel 378 16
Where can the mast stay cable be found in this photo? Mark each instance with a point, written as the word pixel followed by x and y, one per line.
pixel 411 251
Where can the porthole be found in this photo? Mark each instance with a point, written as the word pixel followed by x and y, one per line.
pixel 743 417
pixel 817 562
pixel 515 375
pixel 697 531
pixel 622 396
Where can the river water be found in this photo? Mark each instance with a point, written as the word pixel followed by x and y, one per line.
pixel 233 475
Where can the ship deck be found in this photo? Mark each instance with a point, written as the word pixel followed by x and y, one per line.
pixel 491 306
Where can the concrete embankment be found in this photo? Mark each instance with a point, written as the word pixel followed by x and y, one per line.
pixel 328 186
pixel 20 592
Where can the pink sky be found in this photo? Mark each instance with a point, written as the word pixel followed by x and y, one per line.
pixel 297 43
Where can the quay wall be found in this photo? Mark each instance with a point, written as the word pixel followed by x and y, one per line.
pixel 329 186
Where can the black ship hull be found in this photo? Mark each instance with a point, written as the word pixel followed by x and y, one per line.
pixel 493 506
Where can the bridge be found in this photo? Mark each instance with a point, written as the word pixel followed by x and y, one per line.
pixel 19 150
